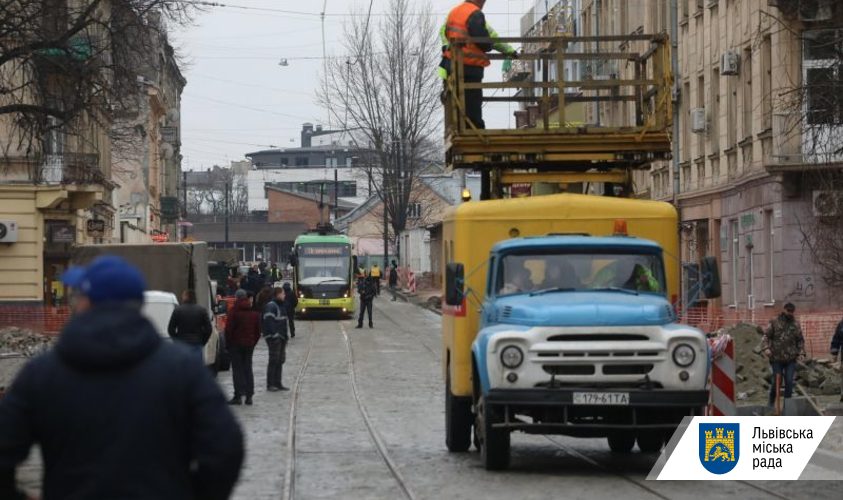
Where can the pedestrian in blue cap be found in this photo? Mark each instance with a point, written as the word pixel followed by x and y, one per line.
pixel 117 411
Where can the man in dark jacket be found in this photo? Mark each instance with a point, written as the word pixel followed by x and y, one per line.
pixel 836 347
pixel 783 344
pixel 393 280
pixel 190 323
pixel 254 282
pixel 242 333
pixel 274 328
pixel 290 302
pixel 367 290
pixel 116 411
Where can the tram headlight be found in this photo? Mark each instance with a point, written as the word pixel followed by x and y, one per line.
pixel 684 355
pixel 512 357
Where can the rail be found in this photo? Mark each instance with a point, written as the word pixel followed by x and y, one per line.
pixel 616 112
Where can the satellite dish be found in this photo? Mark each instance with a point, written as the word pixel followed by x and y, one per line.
pixel 173 115
pixel 283 62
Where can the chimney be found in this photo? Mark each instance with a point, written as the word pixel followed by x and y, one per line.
pixel 306 135
pixel 319 128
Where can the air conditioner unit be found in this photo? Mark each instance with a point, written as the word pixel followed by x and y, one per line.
pixel 815 10
pixel 729 63
pixel 699 124
pixel 828 203
pixel 8 231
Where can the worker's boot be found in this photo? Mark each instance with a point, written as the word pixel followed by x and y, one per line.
pixel 236 400
pixel 281 384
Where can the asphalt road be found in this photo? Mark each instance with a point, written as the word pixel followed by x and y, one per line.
pixel 365 419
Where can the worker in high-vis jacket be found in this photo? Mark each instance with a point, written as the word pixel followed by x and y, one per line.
pixel 466 21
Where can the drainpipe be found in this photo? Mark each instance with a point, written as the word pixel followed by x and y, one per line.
pixel 677 97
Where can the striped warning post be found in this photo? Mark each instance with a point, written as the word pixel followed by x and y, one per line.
pixel 722 377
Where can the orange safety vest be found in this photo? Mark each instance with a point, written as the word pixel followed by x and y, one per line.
pixel 456 29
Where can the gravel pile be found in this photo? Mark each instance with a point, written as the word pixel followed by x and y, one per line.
pixel 23 342
pixel 818 376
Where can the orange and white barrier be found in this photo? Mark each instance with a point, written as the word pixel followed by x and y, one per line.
pixel 411 284
pixel 722 401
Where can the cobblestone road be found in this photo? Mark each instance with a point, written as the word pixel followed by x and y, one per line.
pixel 397 376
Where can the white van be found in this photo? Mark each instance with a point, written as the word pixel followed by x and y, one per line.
pixel 159 306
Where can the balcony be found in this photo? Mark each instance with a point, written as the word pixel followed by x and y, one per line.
pixel 72 169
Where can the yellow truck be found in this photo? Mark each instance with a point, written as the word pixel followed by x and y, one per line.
pixel 559 317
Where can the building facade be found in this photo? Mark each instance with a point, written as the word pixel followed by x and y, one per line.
pixel 311 209
pixel 147 162
pixel 325 158
pixel 55 188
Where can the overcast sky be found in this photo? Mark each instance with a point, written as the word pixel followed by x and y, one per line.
pixel 238 99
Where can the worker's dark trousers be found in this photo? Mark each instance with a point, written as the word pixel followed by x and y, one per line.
pixel 365 305
pixel 787 371
pixel 277 355
pixel 474 97
pixel 241 370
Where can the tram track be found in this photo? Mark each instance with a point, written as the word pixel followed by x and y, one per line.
pixel 289 490
pixel 636 482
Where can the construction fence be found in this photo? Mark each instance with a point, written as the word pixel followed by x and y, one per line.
pixel 817 326
pixel 46 320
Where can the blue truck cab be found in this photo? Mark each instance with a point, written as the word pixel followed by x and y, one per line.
pixel 577 337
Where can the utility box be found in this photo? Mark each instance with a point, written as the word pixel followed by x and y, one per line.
pixel 729 63
pixel 699 125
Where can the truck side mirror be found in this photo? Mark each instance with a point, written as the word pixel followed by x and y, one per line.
pixel 710 274
pixel 454 283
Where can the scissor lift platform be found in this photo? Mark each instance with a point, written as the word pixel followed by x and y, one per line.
pixel 642 84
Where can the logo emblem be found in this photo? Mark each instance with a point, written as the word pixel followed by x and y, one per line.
pixel 719 447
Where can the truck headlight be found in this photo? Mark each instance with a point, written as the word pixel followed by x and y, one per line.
pixel 512 357
pixel 684 355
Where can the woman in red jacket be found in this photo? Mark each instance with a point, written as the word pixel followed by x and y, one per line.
pixel 242 333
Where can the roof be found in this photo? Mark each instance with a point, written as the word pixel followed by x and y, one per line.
pixel 358 212
pixel 312 149
pixel 322 238
pixel 313 197
pixel 248 232
pixel 564 207
pixel 611 242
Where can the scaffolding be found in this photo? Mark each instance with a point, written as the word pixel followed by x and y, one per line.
pixel 547 140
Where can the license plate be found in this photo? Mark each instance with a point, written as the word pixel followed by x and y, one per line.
pixel 324 302
pixel 601 398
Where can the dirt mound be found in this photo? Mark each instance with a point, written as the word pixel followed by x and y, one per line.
pixel 23 342
pixel 752 369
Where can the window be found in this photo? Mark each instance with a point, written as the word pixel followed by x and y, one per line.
pixel 302 161
pixel 686 130
pixel 701 105
pixel 766 84
pixel 732 110
pixel 746 77
pixel 733 259
pixel 714 115
pixel 414 210
pixel 563 272
pixel 769 248
pixel 823 77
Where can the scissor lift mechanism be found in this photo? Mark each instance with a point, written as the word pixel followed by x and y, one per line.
pixel 530 154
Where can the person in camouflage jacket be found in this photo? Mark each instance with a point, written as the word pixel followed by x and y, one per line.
pixel 784 344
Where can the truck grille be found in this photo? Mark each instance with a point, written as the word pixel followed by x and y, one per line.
pixel 625 369
pixel 597 337
pixel 569 369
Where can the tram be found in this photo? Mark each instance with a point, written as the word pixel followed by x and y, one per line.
pixel 324 267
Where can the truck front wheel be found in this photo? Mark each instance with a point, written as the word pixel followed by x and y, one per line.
pixel 650 441
pixel 457 420
pixel 494 443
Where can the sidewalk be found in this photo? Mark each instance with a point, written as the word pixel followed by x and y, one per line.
pixel 426 299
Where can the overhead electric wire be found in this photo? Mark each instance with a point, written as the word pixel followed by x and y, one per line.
pixel 243 106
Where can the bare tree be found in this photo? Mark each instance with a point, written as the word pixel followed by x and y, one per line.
pixel 386 91
pixel 67 65
pixel 809 130
pixel 206 193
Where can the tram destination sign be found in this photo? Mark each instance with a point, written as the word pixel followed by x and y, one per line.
pixel 323 250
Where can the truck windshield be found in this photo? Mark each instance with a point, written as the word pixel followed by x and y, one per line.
pixel 323 263
pixel 530 273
